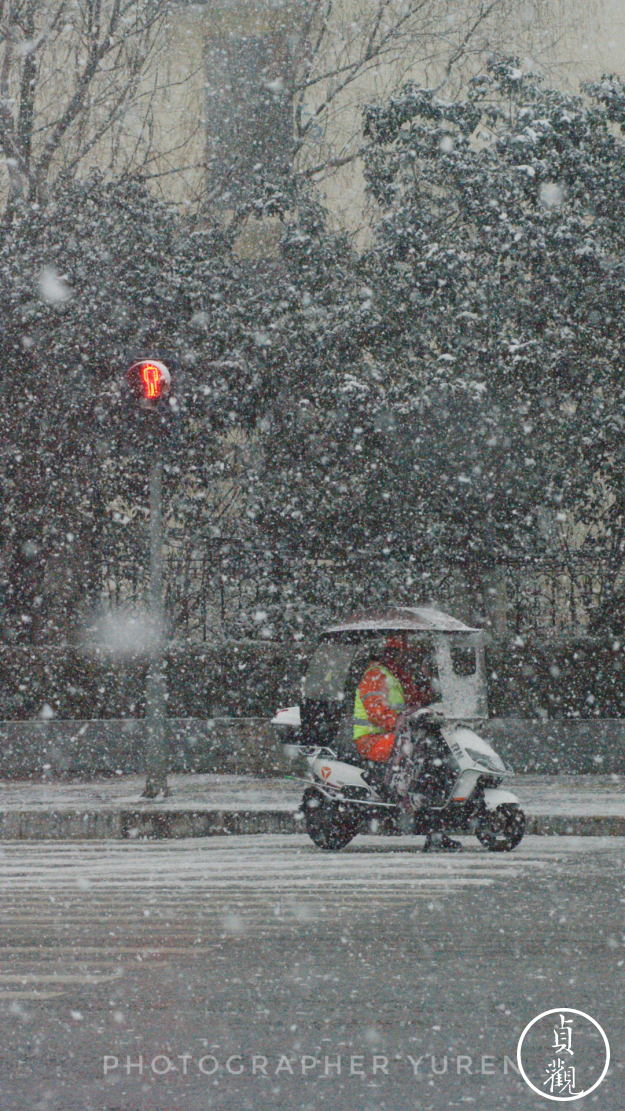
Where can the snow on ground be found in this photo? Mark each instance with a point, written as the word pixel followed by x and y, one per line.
pixel 213 792
pixel 272 863
pixel 76 916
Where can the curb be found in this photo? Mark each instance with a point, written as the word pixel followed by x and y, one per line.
pixel 580 826
pixel 120 825
pixel 145 824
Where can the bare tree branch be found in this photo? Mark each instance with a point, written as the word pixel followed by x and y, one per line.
pixel 50 121
pixel 385 43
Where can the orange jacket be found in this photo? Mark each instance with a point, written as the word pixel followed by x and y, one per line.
pixel 374 692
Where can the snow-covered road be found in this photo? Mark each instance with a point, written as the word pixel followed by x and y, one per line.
pixel 266 864
pixel 157 899
pixel 267 945
pixel 177 892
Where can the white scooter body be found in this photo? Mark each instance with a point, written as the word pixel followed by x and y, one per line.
pixel 332 775
pixel 336 774
pixel 473 755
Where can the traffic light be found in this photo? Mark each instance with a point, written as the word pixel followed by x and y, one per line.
pixel 149 407
pixel 149 380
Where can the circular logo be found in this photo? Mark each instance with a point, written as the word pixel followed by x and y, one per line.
pixel 563 1054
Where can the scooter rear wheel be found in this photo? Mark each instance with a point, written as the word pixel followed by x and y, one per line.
pixel 328 824
pixel 502 829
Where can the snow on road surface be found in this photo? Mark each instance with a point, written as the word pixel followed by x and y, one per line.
pixel 271 863
pixel 82 913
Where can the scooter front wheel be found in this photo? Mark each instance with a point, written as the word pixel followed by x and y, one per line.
pixel 502 829
pixel 328 824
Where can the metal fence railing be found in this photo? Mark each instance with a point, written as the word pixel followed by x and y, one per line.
pixel 236 587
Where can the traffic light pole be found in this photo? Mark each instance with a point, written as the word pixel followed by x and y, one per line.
pixel 156 686
pixel 149 381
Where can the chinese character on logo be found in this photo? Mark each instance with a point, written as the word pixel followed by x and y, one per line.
pixel 561 1077
pixel 562 1035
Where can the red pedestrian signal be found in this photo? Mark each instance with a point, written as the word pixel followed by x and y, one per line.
pixel 150 380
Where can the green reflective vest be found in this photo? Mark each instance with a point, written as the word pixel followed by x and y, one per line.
pixel 396 700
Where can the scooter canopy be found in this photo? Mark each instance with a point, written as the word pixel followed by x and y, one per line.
pixel 344 651
pixel 403 618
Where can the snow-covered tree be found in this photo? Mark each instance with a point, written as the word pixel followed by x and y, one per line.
pixel 100 275
pixel 462 402
pixel 500 301
pixel 356 425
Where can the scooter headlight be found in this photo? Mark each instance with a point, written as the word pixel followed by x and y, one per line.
pixel 485 760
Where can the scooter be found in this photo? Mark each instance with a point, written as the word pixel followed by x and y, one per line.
pixel 454 775
pixel 456 788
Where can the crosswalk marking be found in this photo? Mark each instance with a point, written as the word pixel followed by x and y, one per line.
pixel 156 901
pixel 55 978
pixel 29 995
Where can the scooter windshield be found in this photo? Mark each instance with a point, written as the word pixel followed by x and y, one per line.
pixel 328 671
pixel 461 674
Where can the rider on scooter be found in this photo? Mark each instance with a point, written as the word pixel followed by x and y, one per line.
pixel 388 687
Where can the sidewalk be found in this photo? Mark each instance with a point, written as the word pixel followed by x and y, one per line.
pixel 205 805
